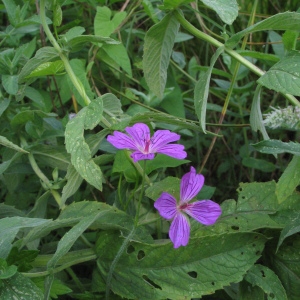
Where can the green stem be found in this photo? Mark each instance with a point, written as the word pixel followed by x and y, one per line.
pixel 201 35
pixel 136 220
pixel 76 82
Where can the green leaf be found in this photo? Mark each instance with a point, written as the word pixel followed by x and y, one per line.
pixel 150 11
pixel 9 229
pixel 290 229
pixel 11 9
pixel 258 164
pixel 48 68
pixel 5 142
pixel 226 10
pixel 103 24
pixel 4 103
pixel 267 280
pixel 57 15
pixel 256 120
pixel 202 89
pixel 289 39
pixel 282 21
pixel 277 147
pixel 289 180
pixel 22 258
pixel 21 288
pixel 6 271
pixel 284 76
pixel 171 4
pixel 119 54
pixel 76 145
pixel 10 84
pixel 286 264
pixel 74 32
pixel 159 271
pixel 43 55
pixel 159 41
pixel 29 115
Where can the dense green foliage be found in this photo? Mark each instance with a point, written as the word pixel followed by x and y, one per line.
pixel 77 219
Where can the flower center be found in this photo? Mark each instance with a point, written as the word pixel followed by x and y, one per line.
pixel 183 206
pixel 147 145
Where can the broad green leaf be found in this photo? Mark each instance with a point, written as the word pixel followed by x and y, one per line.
pixel 256 120
pixel 6 271
pixel 284 76
pixel 10 211
pixel 5 142
pixel 74 32
pixel 226 10
pixel 22 258
pixel 43 55
pixel 35 95
pixel 29 115
pixel 159 271
pixel 277 147
pixel 76 145
pixel 289 39
pixel 52 156
pixel 57 15
pixel 171 4
pixel 281 21
pixel 78 67
pixel 11 9
pixel 104 25
pixel 48 68
pixel 286 264
pixel 202 89
pixel 159 41
pixel 78 42
pixel 292 228
pixel 10 84
pixel 21 288
pixel 267 280
pixel 289 180
pixel 258 164
pixel 118 53
pixel 150 11
pixel 5 164
pixel 11 226
pixel 4 103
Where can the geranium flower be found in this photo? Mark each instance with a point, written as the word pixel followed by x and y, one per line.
pixel 206 211
pixel 144 146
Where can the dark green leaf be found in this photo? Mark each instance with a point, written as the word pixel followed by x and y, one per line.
pixel 258 164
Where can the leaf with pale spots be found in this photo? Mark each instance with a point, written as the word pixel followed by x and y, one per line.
pixel 76 145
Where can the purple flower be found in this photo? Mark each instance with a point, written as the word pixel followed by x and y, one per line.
pixel 144 146
pixel 206 211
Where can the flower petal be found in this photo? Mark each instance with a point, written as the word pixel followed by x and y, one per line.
pixel 121 141
pixel 162 138
pixel 173 150
pixel 180 231
pixel 190 185
pixel 166 206
pixel 206 211
pixel 137 155
pixel 140 133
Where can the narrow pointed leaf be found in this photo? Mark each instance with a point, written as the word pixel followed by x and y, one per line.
pixel 277 147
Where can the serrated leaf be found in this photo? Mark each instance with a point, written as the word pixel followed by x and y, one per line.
pixel 10 84
pixel 226 10
pixel 76 145
pixel 256 120
pixel 281 21
pixel 159 271
pixel 277 147
pixel 284 76
pixel 43 55
pixel 20 287
pixel 202 89
pixel 289 180
pixel 267 280
pixel 48 68
pixel 159 41
pixel 5 142
pixel 258 164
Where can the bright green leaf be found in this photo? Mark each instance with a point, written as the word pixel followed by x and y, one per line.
pixel 284 76
pixel 48 68
pixel 159 41
pixel 10 84
pixel 76 145
pixel 282 21
pixel 289 180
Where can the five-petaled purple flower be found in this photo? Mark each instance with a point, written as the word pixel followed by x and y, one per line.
pixel 206 211
pixel 144 146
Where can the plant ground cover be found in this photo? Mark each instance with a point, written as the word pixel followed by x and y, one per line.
pixel 149 149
